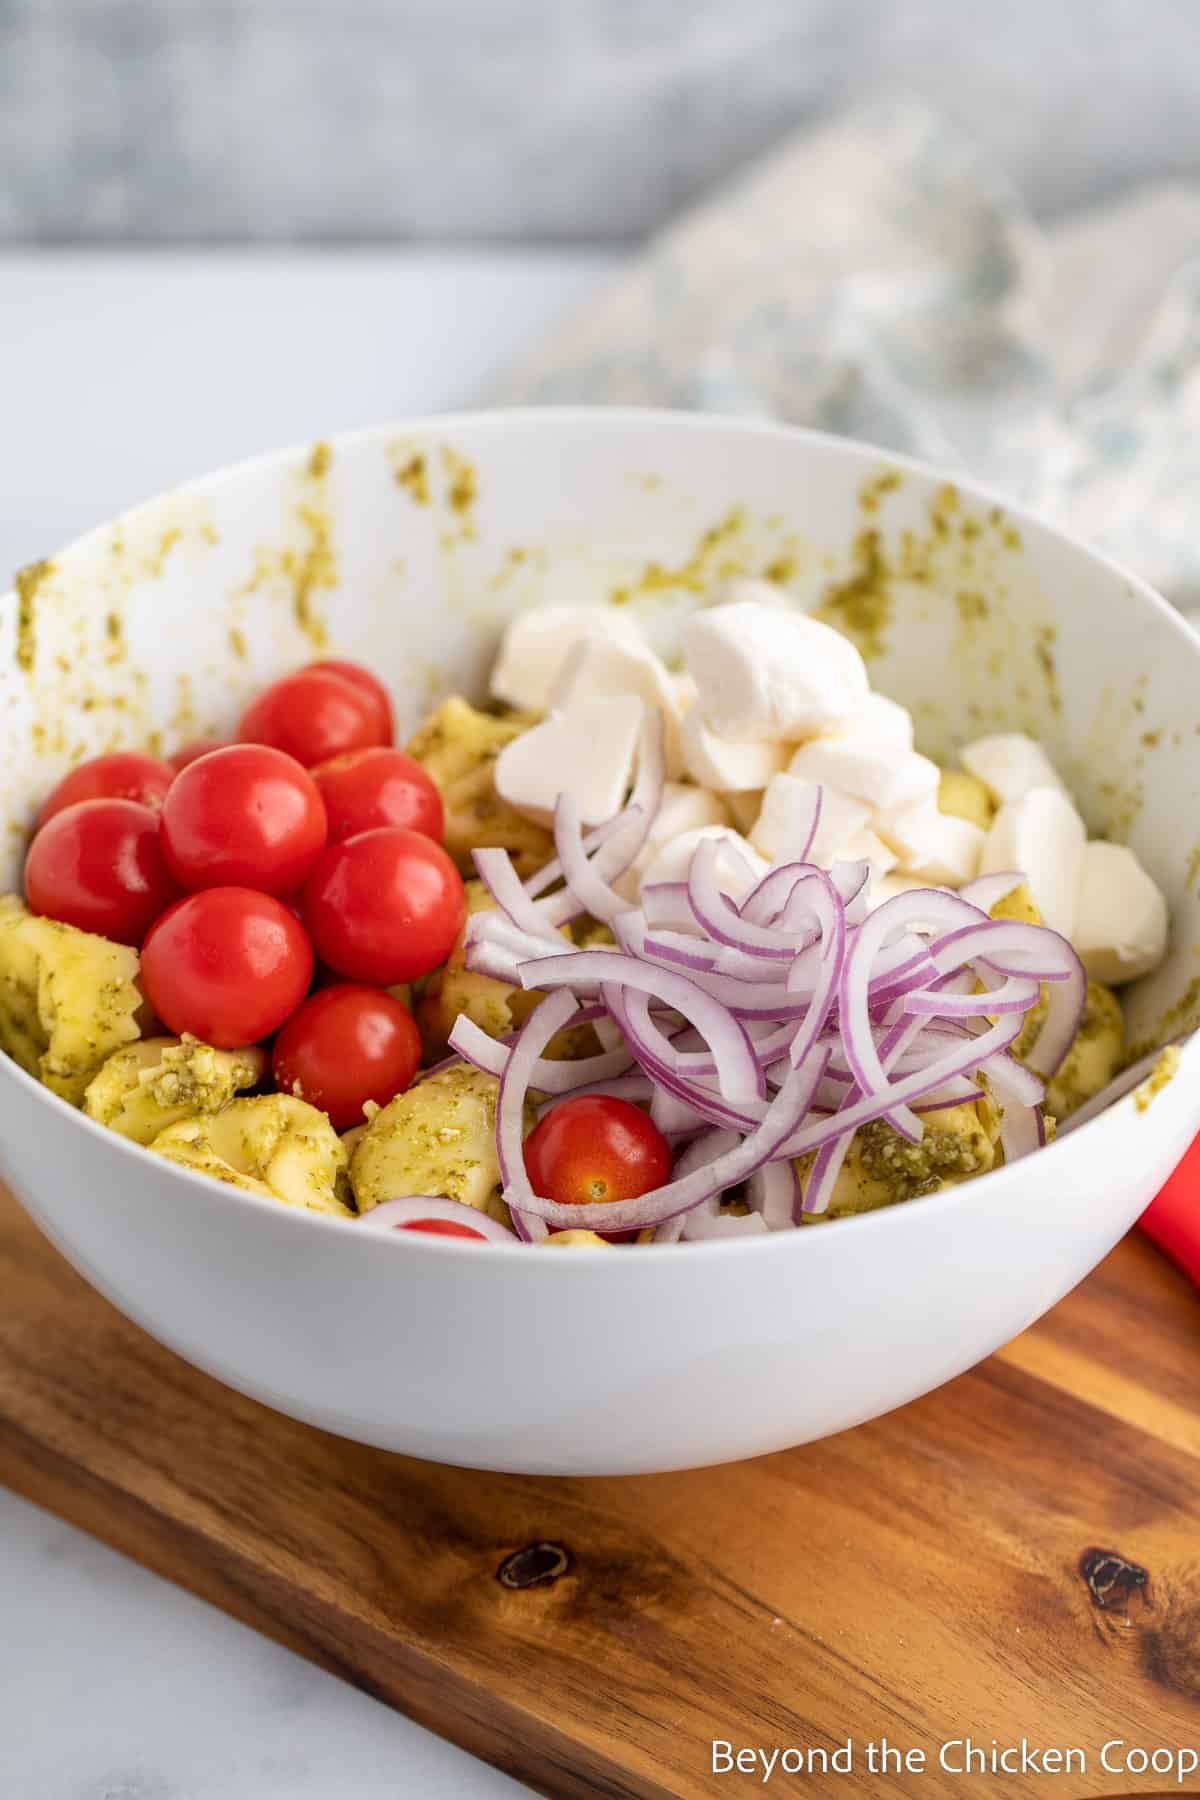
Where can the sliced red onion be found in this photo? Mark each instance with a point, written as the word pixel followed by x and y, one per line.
pixel 589 888
pixel 681 1194
pixel 1015 996
pixel 674 1117
pixel 850 880
pixel 950 1096
pixel 552 871
pixel 698 1154
pixel 708 1221
pixel 806 832
pixel 1065 1004
pixel 502 882
pixel 638 1088
pixel 827 1163
pixel 910 1087
pixel 694 1092
pixel 1013 1078
pixel 552 1075
pixel 833 957
pixel 731 1048
pixel 1030 952
pixel 621 846
pixel 720 918
pixel 394 1215
pixel 927 905
pixel 1022 1128
pixel 544 1023
pixel 674 947
pixel 772 1192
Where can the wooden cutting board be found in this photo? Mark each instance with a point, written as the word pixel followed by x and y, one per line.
pixel 1016 1556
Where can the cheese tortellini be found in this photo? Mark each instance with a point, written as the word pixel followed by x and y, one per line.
pixel 882 1168
pixel 68 999
pixel 159 1081
pixel 439 1138
pixel 275 1145
pixel 458 746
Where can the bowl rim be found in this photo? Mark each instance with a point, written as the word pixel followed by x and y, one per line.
pixel 657 419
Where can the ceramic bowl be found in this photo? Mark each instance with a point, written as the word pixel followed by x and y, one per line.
pixel 408 547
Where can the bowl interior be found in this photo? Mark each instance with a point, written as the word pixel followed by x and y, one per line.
pixel 408 548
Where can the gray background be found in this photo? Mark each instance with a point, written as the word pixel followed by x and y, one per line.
pixel 386 120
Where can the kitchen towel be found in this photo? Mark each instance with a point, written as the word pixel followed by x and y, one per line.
pixel 873 277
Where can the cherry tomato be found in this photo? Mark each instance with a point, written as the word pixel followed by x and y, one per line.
pixel 368 685
pixel 244 816
pixel 596 1149
pixel 313 715
pixel 384 906
pixel 99 865
pixel 346 1045
pixel 121 775
pixel 381 786
pixel 227 964
pixel 441 1228
pixel 190 753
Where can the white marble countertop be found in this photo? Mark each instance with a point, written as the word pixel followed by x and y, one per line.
pixel 121 375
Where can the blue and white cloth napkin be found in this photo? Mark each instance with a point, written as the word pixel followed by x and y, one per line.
pixel 875 278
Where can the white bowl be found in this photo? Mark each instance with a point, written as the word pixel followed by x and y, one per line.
pixel 588 1362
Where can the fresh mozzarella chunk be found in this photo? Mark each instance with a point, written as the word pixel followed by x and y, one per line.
pixel 598 667
pixel 864 846
pixel 1120 916
pixel 683 809
pixel 783 824
pixel 881 720
pixel 933 844
pixel 765 674
pixel 725 764
pixel 1043 836
pixel 536 643
pixel 1010 765
pixel 886 779
pixel 738 867
pixel 588 755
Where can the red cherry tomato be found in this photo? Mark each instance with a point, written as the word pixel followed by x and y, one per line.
pixel 589 1151
pixel 346 1045
pixel 368 685
pixel 121 775
pixel 244 816
pixel 228 964
pixel 190 753
pixel 441 1228
pixel 367 788
pixel 99 865
pixel 384 906
pixel 313 715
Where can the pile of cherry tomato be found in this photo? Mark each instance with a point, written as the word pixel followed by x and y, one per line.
pixel 277 883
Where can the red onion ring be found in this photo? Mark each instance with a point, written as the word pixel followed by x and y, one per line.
pixel 393 1215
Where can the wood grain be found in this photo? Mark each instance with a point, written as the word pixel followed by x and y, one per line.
pixel 1014 1556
